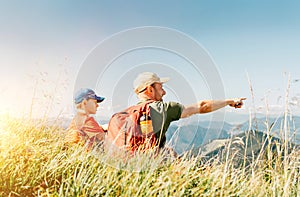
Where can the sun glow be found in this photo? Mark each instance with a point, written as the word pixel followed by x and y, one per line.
pixel 5 135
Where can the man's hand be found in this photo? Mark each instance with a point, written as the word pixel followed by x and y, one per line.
pixel 237 102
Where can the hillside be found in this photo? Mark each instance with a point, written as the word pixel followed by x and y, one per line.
pixel 275 126
pixel 245 148
pixel 185 137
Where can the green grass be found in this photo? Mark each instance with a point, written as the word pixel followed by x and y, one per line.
pixel 35 162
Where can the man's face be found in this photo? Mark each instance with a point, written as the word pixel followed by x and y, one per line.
pixel 158 91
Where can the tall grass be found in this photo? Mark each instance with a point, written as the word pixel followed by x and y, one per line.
pixel 35 162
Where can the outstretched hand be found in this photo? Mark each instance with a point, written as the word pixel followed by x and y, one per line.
pixel 237 102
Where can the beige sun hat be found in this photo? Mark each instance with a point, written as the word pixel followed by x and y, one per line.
pixel 145 79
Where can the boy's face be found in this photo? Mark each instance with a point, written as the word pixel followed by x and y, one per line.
pixel 91 106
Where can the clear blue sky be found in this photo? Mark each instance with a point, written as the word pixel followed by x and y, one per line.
pixel 260 38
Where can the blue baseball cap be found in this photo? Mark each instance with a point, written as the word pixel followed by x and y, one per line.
pixel 86 93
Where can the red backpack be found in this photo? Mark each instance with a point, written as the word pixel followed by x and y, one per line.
pixel 124 131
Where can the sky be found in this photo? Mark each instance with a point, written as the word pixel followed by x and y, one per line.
pixel 254 45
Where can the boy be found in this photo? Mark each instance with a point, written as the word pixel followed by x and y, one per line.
pixel 83 127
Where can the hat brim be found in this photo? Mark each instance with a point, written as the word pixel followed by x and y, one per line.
pixel 99 99
pixel 164 80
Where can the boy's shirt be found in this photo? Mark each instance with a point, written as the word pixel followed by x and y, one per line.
pixel 90 130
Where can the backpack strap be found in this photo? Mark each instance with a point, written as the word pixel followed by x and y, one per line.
pixel 125 133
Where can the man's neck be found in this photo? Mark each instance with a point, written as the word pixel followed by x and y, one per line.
pixel 143 97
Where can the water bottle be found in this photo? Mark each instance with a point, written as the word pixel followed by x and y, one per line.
pixel 146 123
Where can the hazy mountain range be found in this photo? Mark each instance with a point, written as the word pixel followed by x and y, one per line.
pixel 245 148
pixel 187 137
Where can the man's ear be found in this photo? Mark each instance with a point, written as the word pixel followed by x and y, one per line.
pixel 149 89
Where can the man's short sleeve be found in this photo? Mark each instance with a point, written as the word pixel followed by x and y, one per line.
pixel 174 111
pixel 170 111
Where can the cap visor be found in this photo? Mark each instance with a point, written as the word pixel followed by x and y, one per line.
pixel 164 80
pixel 99 99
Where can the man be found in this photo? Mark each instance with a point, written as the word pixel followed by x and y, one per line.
pixel 83 127
pixel 148 86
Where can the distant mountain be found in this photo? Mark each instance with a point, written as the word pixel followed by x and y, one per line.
pixel 216 124
pixel 275 126
pixel 210 138
pixel 244 147
pixel 237 118
pixel 185 137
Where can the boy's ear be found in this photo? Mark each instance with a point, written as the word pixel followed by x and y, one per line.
pixel 84 102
